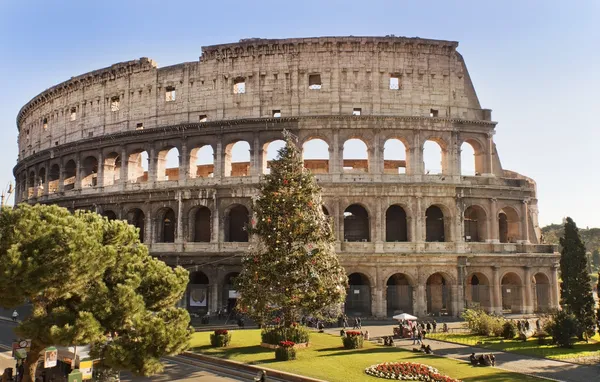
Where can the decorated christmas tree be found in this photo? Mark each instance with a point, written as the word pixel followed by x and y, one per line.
pixel 292 267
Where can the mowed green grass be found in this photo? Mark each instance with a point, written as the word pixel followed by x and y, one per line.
pixel 327 359
pixel 530 347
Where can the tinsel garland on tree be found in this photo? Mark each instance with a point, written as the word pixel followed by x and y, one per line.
pixel 292 267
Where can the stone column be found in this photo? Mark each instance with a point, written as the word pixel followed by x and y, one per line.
pixel 100 174
pixel 214 234
pixel 456 299
pixel 492 226
pixel 184 164
pixel 554 292
pixel 78 171
pixel 489 168
pixel 214 297
pixel 525 222
pixel 179 228
pixel 378 226
pixel 152 165
pixel 149 229
pixel 334 157
pixel 46 180
pixel 527 293
pixel 256 156
pixel 124 176
pixel 340 221
pixel 460 287
pixel 61 176
pixel 219 169
pixel 497 290
pixel 418 218
pixel 420 301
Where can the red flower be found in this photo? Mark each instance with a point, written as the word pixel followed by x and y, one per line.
pixel 351 333
pixel 220 332
pixel 287 344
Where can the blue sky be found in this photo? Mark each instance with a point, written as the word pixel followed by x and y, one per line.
pixel 534 63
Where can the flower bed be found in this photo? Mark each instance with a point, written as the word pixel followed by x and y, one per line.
pixel 220 338
pixel 353 340
pixel 285 351
pixel 407 371
pixel 275 334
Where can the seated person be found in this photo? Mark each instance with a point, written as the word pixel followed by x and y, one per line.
pixel 385 341
pixel 493 359
pixel 366 335
pixel 428 350
pixel 342 333
pixel 423 348
pixel 480 360
pixel 261 376
pixel 473 359
pixel 486 360
pixel 391 341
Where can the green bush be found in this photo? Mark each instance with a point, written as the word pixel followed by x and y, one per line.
pixel 220 338
pixel 275 334
pixel 564 328
pixel 285 351
pixel 353 340
pixel 509 330
pixel 479 322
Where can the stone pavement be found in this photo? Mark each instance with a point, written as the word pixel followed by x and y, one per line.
pixel 539 367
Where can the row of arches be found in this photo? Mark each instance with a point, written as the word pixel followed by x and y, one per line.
pixel 137 166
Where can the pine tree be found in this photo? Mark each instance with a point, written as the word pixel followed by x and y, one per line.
pixel 598 311
pixel 293 267
pixel 576 288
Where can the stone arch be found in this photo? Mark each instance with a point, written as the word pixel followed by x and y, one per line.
pixel 202 223
pixel 439 299
pixel 434 156
pixel 315 154
pixel 396 224
pixel 475 224
pixel 137 166
pixel 399 294
pixel 199 293
pixel 109 214
pixel 112 168
pixel 355 156
pixel 356 223
pixel 202 162
pixel 89 172
pixel 167 164
pixel 230 294
pixel 70 175
pixel 271 152
pixel 167 225
pixel 395 156
pixel 237 159
pixel 137 218
pixel 512 293
pixel 31 181
pixel 236 221
pixel 472 157
pixel 358 298
pixel 42 181
pixel 540 283
pixel 508 225
pixel 435 227
pixel 53 178
pixel 478 291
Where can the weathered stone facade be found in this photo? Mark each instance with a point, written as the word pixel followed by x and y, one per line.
pixel 410 240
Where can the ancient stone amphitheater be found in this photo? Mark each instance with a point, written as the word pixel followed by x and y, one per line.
pixel 418 239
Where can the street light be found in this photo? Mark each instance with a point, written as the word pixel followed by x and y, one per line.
pixel 6 194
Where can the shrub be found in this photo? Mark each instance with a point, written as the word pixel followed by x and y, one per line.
pixel 220 338
pixel 285 351
pixel 479 322
pixel 509 330
pixel 563 327
pixel 275 334
pixel 353 340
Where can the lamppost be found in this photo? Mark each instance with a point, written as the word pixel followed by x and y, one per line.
pixel 6 194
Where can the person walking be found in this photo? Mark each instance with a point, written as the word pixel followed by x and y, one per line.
pixel 15 314
pixel 434 324
pixel 414 334
pixel 359 323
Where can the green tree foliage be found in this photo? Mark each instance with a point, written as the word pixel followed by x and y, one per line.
pixel 598 311
pixel 293 266
pixel 576 289
pixel 564 328
pixel 596 259
pixel 89 279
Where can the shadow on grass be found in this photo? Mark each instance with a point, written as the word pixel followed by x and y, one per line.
pixel 231 352
pixel 498 377
pixel 372 350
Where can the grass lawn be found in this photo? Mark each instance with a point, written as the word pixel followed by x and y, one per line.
pixel 531 347
pixel 327 359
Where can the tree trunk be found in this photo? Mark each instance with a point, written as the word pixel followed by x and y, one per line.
pixel 31 363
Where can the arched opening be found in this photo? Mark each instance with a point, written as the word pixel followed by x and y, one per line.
pixel 235 224
pixel 112 169
pixel 356 156
pixel 508 225
pixel 541 293
pixel 70 174
pixel 42 181
pixel 394 157
pixel 110 215
pixel 202 162
pixel 136 218
pixel 433 158
pixel 198 290
pixel 271 152
pixel 167 164
pixel 471 159
pixel 31 183
pixel 395 224
pixel 358 298
pixel 512 293
pixel 202 225
pixel 438 295
pixel 434 224
pixel 237 159
pixel 356 224
pixel 315 153
pixel 53 178
pixel 325 210
pixel 475 224
pixel 230 294
pixel 137 167
pixel 399 295
pixel 89 172
pixel 477 292
pixel 168 224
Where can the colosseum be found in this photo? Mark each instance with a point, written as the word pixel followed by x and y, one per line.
pixel 178 152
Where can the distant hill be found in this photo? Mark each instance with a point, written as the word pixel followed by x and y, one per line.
pixel 590 236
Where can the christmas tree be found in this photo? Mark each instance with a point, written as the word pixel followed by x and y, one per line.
pixel 292 267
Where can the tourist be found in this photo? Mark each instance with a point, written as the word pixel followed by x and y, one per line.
pixel 414 334
pixel 428 327
pixel 359 322
pixel 428 350
pixel 342 333
pixel 434 324
pixel 15 314
pixel 473 359
pixel 445 328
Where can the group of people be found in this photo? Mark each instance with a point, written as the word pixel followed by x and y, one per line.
pixel 343 322
pixel 423 349
pixel 483 359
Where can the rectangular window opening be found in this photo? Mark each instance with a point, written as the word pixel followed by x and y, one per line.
pixel 114 103
pixel 73 113
pixel 394 83
pixel 56 143
pixel 90 134
pixel 45 123
pixel 314 82
pixel 139 126
pixel 433 113
pixel 203 118
pixel 170 94
pixel 239 86
pixel 276 113
pixel 356 111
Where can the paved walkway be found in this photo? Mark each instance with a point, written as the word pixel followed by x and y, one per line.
pixel 539 367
